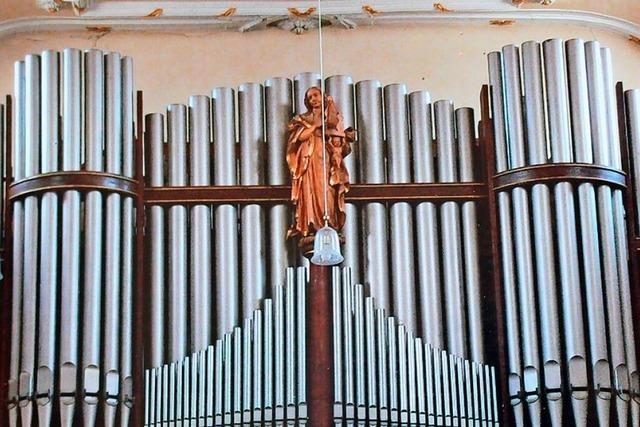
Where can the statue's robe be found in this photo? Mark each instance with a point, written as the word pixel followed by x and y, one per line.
pixel 304 158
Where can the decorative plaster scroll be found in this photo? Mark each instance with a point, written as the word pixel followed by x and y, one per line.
pixel 239 22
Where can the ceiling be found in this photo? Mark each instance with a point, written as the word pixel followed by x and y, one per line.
pixel 625 9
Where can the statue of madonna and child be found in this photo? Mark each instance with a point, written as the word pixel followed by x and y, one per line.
pixel 310 177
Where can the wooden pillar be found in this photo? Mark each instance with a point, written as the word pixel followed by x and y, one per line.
pixel 139 307
pixel 320 347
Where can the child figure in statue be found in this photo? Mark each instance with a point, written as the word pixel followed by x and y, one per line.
pixel 305 160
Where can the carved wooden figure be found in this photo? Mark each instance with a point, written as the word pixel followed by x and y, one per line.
pixel 305 157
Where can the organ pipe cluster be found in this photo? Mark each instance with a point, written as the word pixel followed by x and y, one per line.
pixel 255 373
pixel 206 271
pixel 564 250
pixel 384 374
pixel 73 251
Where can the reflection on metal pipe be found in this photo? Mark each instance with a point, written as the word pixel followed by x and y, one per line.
pixel 372 171
pixel 200 237
pixel 226 236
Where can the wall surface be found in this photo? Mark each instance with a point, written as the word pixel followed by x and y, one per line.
pixel 447 60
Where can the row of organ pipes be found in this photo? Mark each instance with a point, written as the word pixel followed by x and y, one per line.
pixel 563 247
pixel 73 251
pixel 565 269
pixel 383 373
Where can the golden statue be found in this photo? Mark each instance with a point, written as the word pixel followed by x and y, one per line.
pixel 305 159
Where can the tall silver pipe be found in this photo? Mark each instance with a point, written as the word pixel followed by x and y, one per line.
pixel 535 132
pixel 571 296
pixel 258 373
pixel 278 110
pixel 621 234
pixel 93 256
pixel 433 386
pixel 177 245
pixel 200 238
pixel 403 378
pixel 401 215
pixel 466 139
pixel 338 343
pixel 522 232
pixel 252 172
pixel 31 208
pixel 128 223
pixel 392 336
pixel 372 369
pixel 450 220
pixel 18 150
pixel 290 340
pixel 602 156
pixel 48 279
pixel 506 247
pixel 113 262
pixel 427 240
pixel 226 216
pixel 421 383
pixel 154 141
pixel 247 372
pixel 453 389
pixel 238 369
pixel 360 358
pixel 348 340
pixel 341 89
pixel 219 386
pixel 193 391
pixel 268 360
pixel 279 352
pixel 592 275
pixel 372 171
pixel 442 373
pixel 228 382
pixel 383 378
pixel 301 335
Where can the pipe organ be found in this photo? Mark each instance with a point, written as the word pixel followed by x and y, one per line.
pixel 489 274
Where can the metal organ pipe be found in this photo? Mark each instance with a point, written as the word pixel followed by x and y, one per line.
pixel 154 141
pixel 113 264
pixel 401 216
pixel 427 239
pixel 177 230
pixel 93 256
pixel 621 235
pixel 128 222
pixel 601 143
pixel 535 135
pixel 18 245
pixel 466 140
pixel 200 224
pixel 252 163
pixel 48 268
pixel 278 108
pixel 226 216
pixel 522 235
pixel 508 267
pixel 30 235
pixel 583 151
pixel 372 171
pixel 450 222
pixel 565 214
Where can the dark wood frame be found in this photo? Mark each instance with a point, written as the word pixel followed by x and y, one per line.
pixel 484 191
